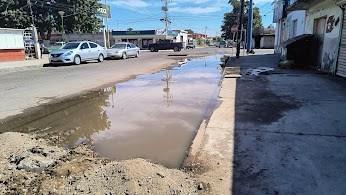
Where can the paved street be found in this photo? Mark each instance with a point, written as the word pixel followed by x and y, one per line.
pixel 33 86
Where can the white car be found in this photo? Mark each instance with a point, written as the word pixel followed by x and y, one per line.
pixel 123 50
pixel 77 52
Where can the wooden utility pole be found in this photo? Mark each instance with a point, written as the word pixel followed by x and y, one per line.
pixel 240 27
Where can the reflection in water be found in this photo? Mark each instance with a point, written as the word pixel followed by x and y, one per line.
pixel 130 120
pixel 166 89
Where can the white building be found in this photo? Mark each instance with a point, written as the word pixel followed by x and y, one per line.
pixel 288 24
pixel 180 36
pixel 324 21
pixel 11 45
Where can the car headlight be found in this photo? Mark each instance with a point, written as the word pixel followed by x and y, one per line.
pixel 68 53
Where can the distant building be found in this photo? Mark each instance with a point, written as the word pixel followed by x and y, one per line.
pixel 180 36
pixel 142 38
pixel 198 36
pixel 11 45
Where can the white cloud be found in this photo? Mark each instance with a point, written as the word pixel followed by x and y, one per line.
pixel 198 6
pixel 194 2
pixel 263 1
pixel 130 4
pixel 195 10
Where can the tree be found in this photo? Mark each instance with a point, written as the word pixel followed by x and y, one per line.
pixel 14 14
pixel 231 19
pixel 130 29
pixel 80 15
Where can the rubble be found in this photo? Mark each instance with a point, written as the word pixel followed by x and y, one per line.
pixel 31 166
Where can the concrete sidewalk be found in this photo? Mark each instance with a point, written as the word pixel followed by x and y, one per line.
pixel 24 64
pixel 290 131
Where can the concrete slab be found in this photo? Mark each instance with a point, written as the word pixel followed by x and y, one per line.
pixel 290 132
pixel 11 66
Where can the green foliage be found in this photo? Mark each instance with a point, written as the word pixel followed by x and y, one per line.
pixel 199 42
pixel 14 14
pixel 80 15
pixel 231 19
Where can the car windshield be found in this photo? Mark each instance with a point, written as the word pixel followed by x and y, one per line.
pixel 70 46
pixel 119 46
pixel 58 44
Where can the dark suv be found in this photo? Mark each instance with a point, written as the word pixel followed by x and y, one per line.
pixel 165 45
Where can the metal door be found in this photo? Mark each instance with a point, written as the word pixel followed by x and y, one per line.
pixel 85 51
pixel 341 66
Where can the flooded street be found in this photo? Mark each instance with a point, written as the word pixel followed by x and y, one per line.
pixel 154 116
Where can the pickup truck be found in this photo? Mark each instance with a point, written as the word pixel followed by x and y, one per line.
pixel 165 45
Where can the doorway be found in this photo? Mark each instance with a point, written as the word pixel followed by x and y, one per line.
pixel 319 31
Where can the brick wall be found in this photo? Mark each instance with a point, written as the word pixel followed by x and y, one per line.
pixel 12 55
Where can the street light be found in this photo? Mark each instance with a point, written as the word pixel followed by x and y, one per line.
pixel 61 13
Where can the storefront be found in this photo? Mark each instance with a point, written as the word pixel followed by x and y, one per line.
pixel 142 38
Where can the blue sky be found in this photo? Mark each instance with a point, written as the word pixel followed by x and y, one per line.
pixel 195 14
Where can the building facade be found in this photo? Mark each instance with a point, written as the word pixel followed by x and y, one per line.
pixel 341 62
pixel 180 36
pixel 324 21
pixel 289 24
pixel 141 38
pixel 11 45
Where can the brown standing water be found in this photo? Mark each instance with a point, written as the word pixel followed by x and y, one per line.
pixel 154 116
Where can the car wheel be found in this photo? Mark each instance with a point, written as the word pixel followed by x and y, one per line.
pixel 101 58
pixel 176 49
pixel 124 56
pixel 77 60
pixel 137 54
pixel 152 49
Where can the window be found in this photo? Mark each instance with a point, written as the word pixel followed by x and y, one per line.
pixel 132 46
pixel 119 46
pixel 84 46
pixel 70 46
pixel 93 45
pixel 295 26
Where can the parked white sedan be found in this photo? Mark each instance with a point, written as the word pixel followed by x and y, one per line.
pixel 77 52
pixel 123 50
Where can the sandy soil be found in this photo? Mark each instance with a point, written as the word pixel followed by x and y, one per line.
pixel 31 166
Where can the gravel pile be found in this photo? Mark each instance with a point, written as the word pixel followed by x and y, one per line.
pixel 31 166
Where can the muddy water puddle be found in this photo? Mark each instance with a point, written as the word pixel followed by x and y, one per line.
pixel 154 116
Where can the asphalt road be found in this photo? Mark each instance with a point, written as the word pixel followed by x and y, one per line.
pixel 20 90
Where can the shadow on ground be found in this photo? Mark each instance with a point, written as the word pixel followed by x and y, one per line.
pixel 290 131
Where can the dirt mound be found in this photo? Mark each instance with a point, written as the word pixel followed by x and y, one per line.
pixel 30 166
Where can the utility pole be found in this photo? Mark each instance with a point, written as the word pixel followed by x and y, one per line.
pixel 61 13
pixel 107 26
pixel 205 35
pixel 240 27
pixel 34 34
pixel 165 19
pixel 249 27
pixel 32 15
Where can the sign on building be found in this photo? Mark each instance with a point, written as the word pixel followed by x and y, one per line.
pixel 104 11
